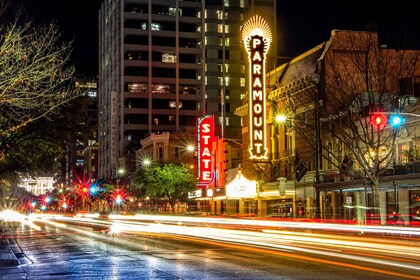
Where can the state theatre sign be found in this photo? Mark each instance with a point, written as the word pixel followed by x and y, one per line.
pixel 205 146
pixel 256 36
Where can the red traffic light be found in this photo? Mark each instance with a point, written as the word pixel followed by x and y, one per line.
pixel 378 119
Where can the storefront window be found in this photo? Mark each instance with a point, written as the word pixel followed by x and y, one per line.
pixel 280 208
pixel 414 209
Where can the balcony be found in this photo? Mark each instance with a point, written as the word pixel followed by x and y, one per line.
pixel 401 169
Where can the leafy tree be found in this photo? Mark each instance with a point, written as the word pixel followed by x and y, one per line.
pixel 34 70
pixel 37 148
pixel 166 181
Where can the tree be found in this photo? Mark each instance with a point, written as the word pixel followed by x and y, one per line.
pixel 45 140
pixel 34 70
pixel 359 80
pixel 166 181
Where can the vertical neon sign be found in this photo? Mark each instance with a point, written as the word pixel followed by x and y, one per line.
pixel 205 146
pixel 256 35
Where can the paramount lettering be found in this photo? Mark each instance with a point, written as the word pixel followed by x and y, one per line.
pixel 257 45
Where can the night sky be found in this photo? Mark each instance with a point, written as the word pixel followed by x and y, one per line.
pixel 301 25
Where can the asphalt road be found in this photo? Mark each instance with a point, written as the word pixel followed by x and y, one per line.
pixel 80 250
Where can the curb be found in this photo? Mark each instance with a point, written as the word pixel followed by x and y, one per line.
pixel 9 249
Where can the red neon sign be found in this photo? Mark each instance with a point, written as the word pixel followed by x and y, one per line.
pixel 205 145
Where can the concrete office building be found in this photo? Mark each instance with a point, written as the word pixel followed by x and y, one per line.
pixel 164 64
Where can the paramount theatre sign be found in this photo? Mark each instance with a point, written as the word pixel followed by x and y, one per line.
pixel 256 35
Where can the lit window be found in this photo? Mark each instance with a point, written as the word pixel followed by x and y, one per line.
pixel 137 88
pixel 220 81
pixel 219 14
pixel 144 26
pixel 220 28
pixel 242 82
pixel 172 104
pixel 220 66
pixel 158 88
pixel 226 3
pixel 242 3
pixel 226 28
pixel 199 29
pixel 169 57
pixel 172 11
pixel 242 69
pixel 155 26
pixel 199 14
pixel 227 41
pixel 227 81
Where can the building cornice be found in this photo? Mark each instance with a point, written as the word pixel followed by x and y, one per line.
pixel 289 89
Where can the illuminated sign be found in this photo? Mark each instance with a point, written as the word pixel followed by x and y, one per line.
pixel 205 146
pixel 256 35
pixel 195 194
pixel 241 187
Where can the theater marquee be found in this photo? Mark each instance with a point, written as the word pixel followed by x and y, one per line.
pixel 256 35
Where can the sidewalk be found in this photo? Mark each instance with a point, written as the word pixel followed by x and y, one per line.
pixel 9 250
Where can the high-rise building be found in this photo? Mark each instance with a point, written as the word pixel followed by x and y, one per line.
pixel 165 64
pixel 76 165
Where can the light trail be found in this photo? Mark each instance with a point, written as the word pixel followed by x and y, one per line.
pixel 355 251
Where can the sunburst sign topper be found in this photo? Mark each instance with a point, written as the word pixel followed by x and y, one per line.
pixel 256 35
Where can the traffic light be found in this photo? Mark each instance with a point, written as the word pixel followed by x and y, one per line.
pixel 396 120
pixel 378 119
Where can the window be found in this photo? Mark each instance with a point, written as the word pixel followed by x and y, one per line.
pixel 227 94
pixel 155 26
pixel 242 3
pixel 220 81
pixel 226 2
pixel 169 57
pixel 227 81
pixel 172 11
pixel 219 14
pixel 160 153
pixel 226 68
pixel 220 28
pixel 137 88
pixel 157 88
pixel 242 82
pixel 329 156
pixel 177 152
pixel 243 69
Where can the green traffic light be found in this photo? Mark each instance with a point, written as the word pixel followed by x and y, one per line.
pixel 396 120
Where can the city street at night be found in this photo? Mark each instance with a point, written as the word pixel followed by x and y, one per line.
pixel 134 247
pixel 209 140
